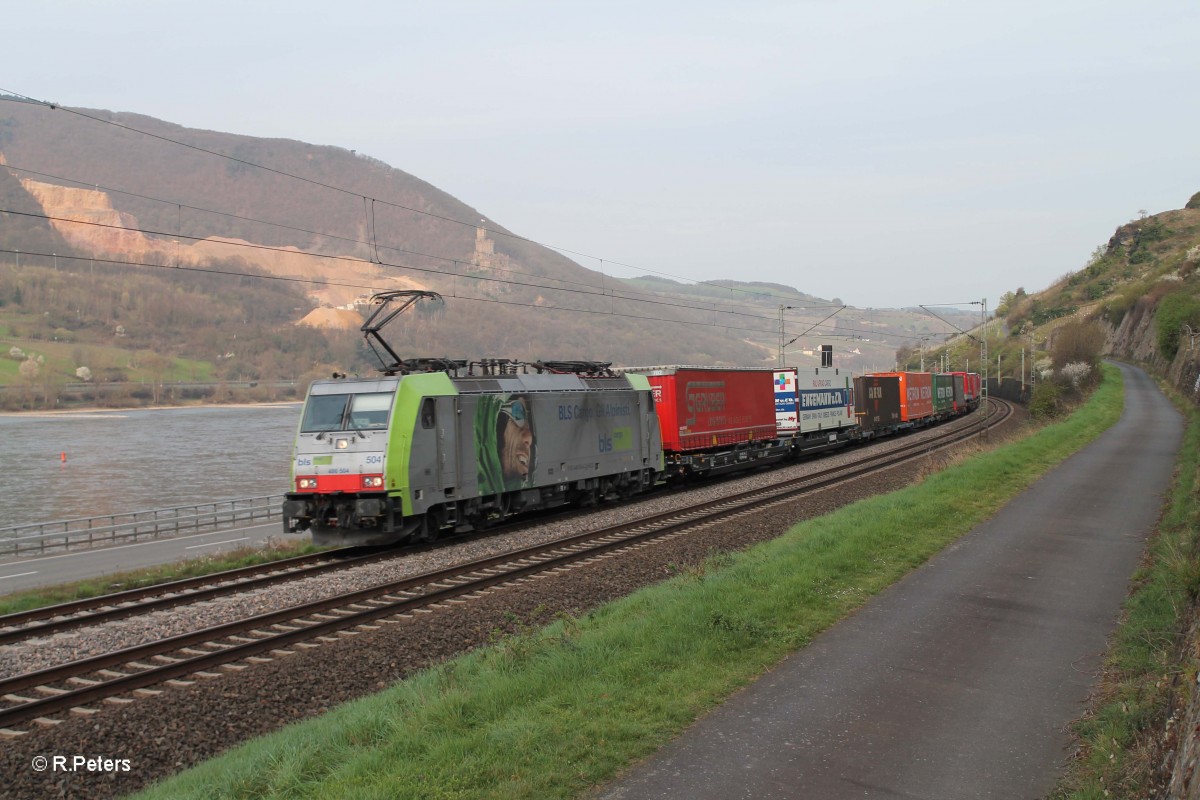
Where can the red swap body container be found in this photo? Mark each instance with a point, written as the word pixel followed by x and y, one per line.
pixel 701 408
pixel 971 386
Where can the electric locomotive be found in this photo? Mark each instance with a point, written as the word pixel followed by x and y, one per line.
pixel 442 445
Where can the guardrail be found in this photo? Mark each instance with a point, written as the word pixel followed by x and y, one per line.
pixel 158 523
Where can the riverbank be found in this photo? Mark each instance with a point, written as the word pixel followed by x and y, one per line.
pixel 113 396
pixel 108 410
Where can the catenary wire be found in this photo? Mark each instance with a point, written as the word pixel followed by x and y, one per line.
pixel 625 293
pixel 288 251
pixel 324 282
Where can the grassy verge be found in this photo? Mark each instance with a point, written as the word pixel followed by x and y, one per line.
pixel 1146 667
pixel 554 712
pixel 151 576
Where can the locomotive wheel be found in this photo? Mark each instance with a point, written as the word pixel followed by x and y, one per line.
pixel 431 526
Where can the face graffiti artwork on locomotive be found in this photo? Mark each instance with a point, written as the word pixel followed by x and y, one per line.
pixel 505 443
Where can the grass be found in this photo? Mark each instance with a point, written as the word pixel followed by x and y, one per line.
pixel 1147 669
pixel 62 358
pixel 553 712
pixel 136 579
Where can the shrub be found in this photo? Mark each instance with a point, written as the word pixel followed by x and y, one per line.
pixel 1075 372
pixel 1077 341
pixel 1047 400
pixel 1175 311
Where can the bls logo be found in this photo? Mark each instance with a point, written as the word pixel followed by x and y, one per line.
pixel 606 444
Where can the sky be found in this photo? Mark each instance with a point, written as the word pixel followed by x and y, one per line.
pixel 890 154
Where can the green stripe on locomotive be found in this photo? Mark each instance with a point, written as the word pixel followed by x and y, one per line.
pixel 405 422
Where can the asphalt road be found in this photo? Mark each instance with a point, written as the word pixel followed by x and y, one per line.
pixel 961 680
pixel 30 573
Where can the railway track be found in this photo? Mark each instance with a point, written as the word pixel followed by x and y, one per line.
pixel 50 620
pixel 120 677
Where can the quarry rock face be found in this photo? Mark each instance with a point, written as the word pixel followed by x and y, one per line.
pixel 86 219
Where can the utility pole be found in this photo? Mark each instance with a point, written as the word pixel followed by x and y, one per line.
pixel 1032 360
pixel 781 307
pixel 983 357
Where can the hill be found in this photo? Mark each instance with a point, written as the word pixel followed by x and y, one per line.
pixel 134 240
pixel 1141 289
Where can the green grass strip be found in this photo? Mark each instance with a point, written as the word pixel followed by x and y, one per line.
pixel 554 712
pixel 1146 663
pixel 149 576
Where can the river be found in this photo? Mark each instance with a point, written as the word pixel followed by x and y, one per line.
pixel 83 464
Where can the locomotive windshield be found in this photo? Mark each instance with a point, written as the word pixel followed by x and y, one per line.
pixel 339 412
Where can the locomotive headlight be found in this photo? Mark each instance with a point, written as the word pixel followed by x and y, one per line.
pixel 306 483
pixel 372 482
pixel 341 444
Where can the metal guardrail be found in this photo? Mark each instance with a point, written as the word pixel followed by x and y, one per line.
pixel 84 532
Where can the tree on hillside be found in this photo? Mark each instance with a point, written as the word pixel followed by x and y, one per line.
pixel 1077 341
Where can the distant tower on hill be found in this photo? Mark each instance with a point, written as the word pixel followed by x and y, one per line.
pixel 485 256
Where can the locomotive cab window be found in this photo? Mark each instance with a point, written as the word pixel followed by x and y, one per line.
pixel 428 413
pixel 369 412
pixel 339 412
pixel 324 412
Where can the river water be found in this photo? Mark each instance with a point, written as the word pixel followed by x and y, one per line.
pixel 135 460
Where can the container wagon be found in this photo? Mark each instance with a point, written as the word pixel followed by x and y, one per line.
pixel 714 420
pixel 947 395
pixel 877 404
pixel 972 389
pixel 814 408
pixel 916 396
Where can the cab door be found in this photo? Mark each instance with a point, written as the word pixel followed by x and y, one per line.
pixel 449 462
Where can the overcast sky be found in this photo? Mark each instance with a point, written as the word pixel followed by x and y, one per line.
pixel 887 153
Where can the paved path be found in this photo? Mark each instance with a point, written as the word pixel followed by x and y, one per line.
pixel 960 681
pixel 19 574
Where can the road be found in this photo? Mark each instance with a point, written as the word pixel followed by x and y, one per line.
pixel 961 680
pixel 31 573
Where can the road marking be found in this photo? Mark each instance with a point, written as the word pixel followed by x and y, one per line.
pixel 18 575
pixel 213 544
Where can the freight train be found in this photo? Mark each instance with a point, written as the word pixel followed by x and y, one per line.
pixel 443 446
